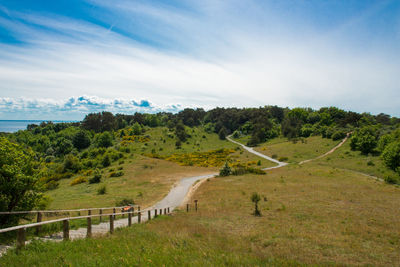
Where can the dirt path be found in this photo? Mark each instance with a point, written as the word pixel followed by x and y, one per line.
pixel 175 198
pixel 251 150
pixel 329 152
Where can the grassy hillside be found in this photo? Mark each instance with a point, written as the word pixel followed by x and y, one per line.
pixel 345 158
pixel 146 180
pixel 296 151
pixel 311 214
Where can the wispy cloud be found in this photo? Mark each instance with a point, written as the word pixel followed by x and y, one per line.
pixel 205 53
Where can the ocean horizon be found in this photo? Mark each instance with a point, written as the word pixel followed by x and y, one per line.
pixel 11 126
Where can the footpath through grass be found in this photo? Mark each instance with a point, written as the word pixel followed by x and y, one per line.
pixel 311 214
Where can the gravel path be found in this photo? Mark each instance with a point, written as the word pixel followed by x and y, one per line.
pixel 174 199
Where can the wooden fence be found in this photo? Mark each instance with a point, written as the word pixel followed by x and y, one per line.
pixel 21 229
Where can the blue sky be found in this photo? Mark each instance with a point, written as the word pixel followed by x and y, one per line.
pixel 62 59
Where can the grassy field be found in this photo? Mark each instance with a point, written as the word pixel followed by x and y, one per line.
pixel 345 158
pixel 311 214
pixel 296 151
pixel 147 180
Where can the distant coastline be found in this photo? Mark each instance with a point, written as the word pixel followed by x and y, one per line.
pixel 11 126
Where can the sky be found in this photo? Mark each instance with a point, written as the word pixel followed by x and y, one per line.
pixel 62 59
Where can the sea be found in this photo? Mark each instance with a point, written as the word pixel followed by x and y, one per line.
pixel 11 126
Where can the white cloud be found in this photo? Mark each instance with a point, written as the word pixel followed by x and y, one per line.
pixel 223 55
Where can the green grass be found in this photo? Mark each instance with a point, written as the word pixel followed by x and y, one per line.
pixel 345 158
pixel 296 151
pixel 145 180
pixel 312 214
pixel 141 245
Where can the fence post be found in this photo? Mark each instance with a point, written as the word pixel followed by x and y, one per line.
pixel 39 219
pixel 139 217
pixel 148 215
pixel 65 230
pixel 111 224
pixel 100 212
pixel 89 227
pixel 155 213
pixel 195 204
pixel 187 207
pixel 129 218
pixel 21 236
pixel 114 212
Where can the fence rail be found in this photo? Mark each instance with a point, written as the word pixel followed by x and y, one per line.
pixel 21 229
pixel 56 211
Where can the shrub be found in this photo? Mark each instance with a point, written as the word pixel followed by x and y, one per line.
pixel 274 156
pixel 124 202
pixel 96 178
pixel 78 180
pixel 226 170
pixel 116 174
pixel 51 185
pixel 338 135
pixel 102 190
pixel 106 161
pixel 71 163
pixel 391 179
pixel 370 163
pixel 255 198
pixel 283 159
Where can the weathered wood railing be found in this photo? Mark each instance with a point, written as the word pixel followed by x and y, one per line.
pixel 21 229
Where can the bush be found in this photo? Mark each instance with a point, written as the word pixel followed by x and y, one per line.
pixel 226 170
pixel 78 180
pixel 124 202
pixel 71 163
pixel 102 190
pixel 116 174
pixel 106 161
pixel 391 179
pixel 51 185
pixel 338 135
pixel 283 159
pixel 96 178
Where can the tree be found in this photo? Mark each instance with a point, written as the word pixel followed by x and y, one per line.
pixel 104 140
pixel 364 140
pixel 81 140
pixel 18 180
pixel 180 132
pixel 136 129
pixel 222 133
pixel 255 198
pixel 391 155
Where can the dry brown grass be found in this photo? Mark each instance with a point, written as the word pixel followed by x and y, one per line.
pixel 145 180
pixel 314 214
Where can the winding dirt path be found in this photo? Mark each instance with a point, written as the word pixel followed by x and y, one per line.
pixel 329 152
pixel 178 195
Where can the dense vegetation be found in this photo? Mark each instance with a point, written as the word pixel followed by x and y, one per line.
pixel 81 150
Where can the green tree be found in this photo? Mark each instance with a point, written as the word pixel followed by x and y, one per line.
pixel 18 180
pixel 81 140
pixel 136 128
pixel 104 139
pixel 255 198
pixel 391 155
pixel 222 133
